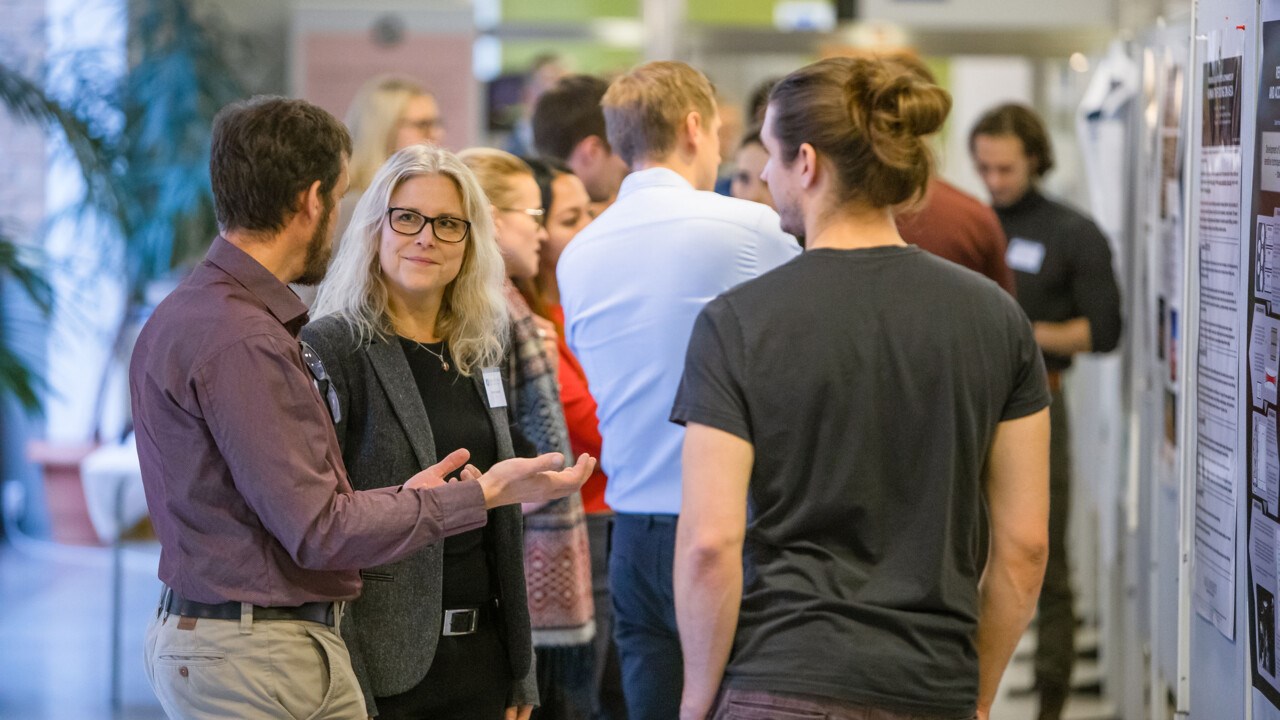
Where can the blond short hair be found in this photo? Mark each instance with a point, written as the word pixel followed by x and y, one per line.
pixel 643 108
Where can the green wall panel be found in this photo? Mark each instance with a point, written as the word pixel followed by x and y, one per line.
pixel 583 56
pixel 743 13
pixel 559 11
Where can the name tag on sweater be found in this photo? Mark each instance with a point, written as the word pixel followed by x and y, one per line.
pixel 493 387
pixel 1025 255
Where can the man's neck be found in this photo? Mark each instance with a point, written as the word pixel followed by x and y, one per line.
pixel 270 250
pixel 853 230
pixel 675 165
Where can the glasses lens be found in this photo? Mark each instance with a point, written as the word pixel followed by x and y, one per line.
pixel 450 229
pixel 407 222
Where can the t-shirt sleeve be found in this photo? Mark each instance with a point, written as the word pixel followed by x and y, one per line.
pixel 1030 390
pixel 710 392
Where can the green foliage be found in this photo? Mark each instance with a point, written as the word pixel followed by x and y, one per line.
pixel 141 141
pixel 17 378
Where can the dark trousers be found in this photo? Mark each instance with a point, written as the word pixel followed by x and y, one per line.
pixel 735 704
pixel 470 679
pixel 1055 641
pixel 610 703
pixel 640 565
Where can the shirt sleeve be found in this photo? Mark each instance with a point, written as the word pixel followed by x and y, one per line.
pixel 272 429
pixel 1093 288
pixel 1030 389
pixel 711 390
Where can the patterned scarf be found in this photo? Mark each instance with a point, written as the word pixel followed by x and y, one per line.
pixel 557 561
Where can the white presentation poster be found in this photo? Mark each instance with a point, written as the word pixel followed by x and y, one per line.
pixel 1218 395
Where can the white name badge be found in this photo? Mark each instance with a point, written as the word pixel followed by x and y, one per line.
pixel 493 387
pixel 1025 255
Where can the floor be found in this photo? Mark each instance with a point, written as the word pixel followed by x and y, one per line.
pixel 55 640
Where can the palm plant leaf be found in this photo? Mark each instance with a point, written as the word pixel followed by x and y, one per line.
pixel 17 378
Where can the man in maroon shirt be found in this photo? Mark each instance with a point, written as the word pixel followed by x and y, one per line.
pixel 261 534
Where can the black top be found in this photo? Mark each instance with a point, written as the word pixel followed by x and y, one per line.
pixel 1062 266
pixel 870 383
pixel 458 420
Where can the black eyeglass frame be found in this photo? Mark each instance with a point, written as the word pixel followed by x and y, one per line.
pixel 428 220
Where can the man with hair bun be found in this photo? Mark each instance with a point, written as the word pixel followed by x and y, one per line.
pixel 847 415
pixel 1062 268
pixel 631 284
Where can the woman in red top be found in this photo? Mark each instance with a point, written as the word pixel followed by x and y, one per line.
pixel 568 212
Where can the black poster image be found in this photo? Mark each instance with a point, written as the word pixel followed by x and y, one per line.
pixel 1265 637
pixel 1264 242
pixel 1220 116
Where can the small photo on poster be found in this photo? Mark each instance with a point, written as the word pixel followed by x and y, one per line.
pixel 1266 640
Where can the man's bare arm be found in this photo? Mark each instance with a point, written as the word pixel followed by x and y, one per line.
pixel 708 562
pixel 1065 338
pixel 1018 500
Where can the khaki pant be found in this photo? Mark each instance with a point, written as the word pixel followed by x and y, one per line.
pixel 245 669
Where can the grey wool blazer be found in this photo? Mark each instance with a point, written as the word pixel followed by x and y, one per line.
pixel 393 628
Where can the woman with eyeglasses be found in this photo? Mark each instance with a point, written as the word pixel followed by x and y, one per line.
pixel 412 328
pixel 557 556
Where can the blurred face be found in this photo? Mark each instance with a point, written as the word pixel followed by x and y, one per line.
pixel 520 232
pixel 708 158
pixel 600 169
pixel 570 211
pixel 730 124
pixel 421 265
pixel 1004 167
pixel 320 248
pixel 419 123
pixel 747 182
pixel 783 181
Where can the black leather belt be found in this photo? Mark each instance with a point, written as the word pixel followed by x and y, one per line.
pixel 316 612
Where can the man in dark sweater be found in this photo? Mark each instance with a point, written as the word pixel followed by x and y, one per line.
pixel 1065 283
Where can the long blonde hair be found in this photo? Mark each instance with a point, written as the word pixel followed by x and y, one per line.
pixel 372 118
pixel 473 315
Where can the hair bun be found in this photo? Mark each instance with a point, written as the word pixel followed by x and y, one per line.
pixel 922 107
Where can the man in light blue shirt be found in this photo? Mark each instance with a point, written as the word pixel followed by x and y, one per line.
pixel 632 284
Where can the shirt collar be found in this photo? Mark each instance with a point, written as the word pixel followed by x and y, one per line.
pixel 1029 201
pixel 279 300
pixel 653 177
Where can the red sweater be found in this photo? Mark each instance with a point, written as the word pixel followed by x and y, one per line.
pixel 580 416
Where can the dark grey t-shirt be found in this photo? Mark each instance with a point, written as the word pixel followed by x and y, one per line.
pixel 870 383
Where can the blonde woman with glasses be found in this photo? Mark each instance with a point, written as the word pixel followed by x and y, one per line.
pixel 412 327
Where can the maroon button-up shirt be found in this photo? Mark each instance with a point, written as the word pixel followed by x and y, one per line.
pixel 242 470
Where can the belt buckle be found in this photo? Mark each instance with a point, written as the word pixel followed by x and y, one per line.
pixel 460 622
